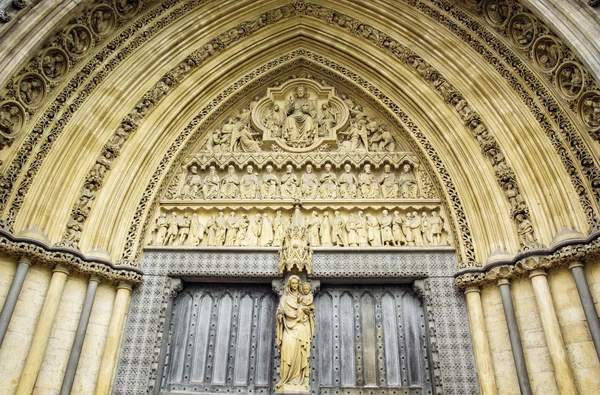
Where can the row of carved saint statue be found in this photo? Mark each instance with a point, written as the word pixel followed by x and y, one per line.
pixel 355 230
pixel 309 186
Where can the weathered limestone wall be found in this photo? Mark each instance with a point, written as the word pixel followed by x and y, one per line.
pixel 582 356
pixel 25 318
pixel 22 325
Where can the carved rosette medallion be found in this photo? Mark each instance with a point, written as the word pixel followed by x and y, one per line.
pixel 497 12
pixel 77 40
pixel 547 52
pixel 55 64
pixel 300 116
pixel 589 110
pixel 102 20
pixel 570 80
pixel 12 119
pixel 32 89
pixel 522 30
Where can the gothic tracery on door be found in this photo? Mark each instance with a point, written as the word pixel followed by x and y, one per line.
pixel 368 339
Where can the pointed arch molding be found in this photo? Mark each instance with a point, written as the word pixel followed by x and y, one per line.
pixel 197 127
pixel 557 123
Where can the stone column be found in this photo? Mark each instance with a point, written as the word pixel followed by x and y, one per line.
pixel 113 339
pixel 481 348
pixel 42 330
pixel 13 296
pixel 84 319
pixel 554 340
pixel 515 337
pixel 587 302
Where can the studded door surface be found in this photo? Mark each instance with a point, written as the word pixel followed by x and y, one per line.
pixel 221 339
pixel 369 340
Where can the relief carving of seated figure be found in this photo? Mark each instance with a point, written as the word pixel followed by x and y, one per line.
pixel 212 182
pixel 328 188
pixel 407 183
pixel 270 184
pixel 309 184
pixel 289 184
pixel 249 185
pixel 300 123
pixel 348 183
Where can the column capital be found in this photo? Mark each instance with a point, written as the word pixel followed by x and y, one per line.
pixel 538 272
pixel 503 281
pixel 62 268
pixel 95 278
pixel 472 288
pixel 25 259
pixel 574 264
pixel 124 285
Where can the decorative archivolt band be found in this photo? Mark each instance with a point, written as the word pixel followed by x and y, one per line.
pixel 103 19
pixel 45 254
pixel 365 31
pixel 574 250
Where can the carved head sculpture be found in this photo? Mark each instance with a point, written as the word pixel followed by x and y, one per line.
pixel 249 169
pixel 232 214
pixel 212 170
pixel 396 213
pixel 387 168
pixel 278 213
pixel 336 213
pixel 434 214
pixel 220 213
pixel 230 169
pixel 306 288
pixel 424 214
pixel 328 167
pixel 415 213
pixel 308 168
pixel 406 168
pixel 269 169
pixel 385 212
pixel 289 169
pixel 301 92
pixel 326 214
pixel 292 284
pixel 367 168
pixel 347 168
pixel 315 214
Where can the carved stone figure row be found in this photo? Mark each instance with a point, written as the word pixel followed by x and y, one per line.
pixel 309 186
pixel 357 230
